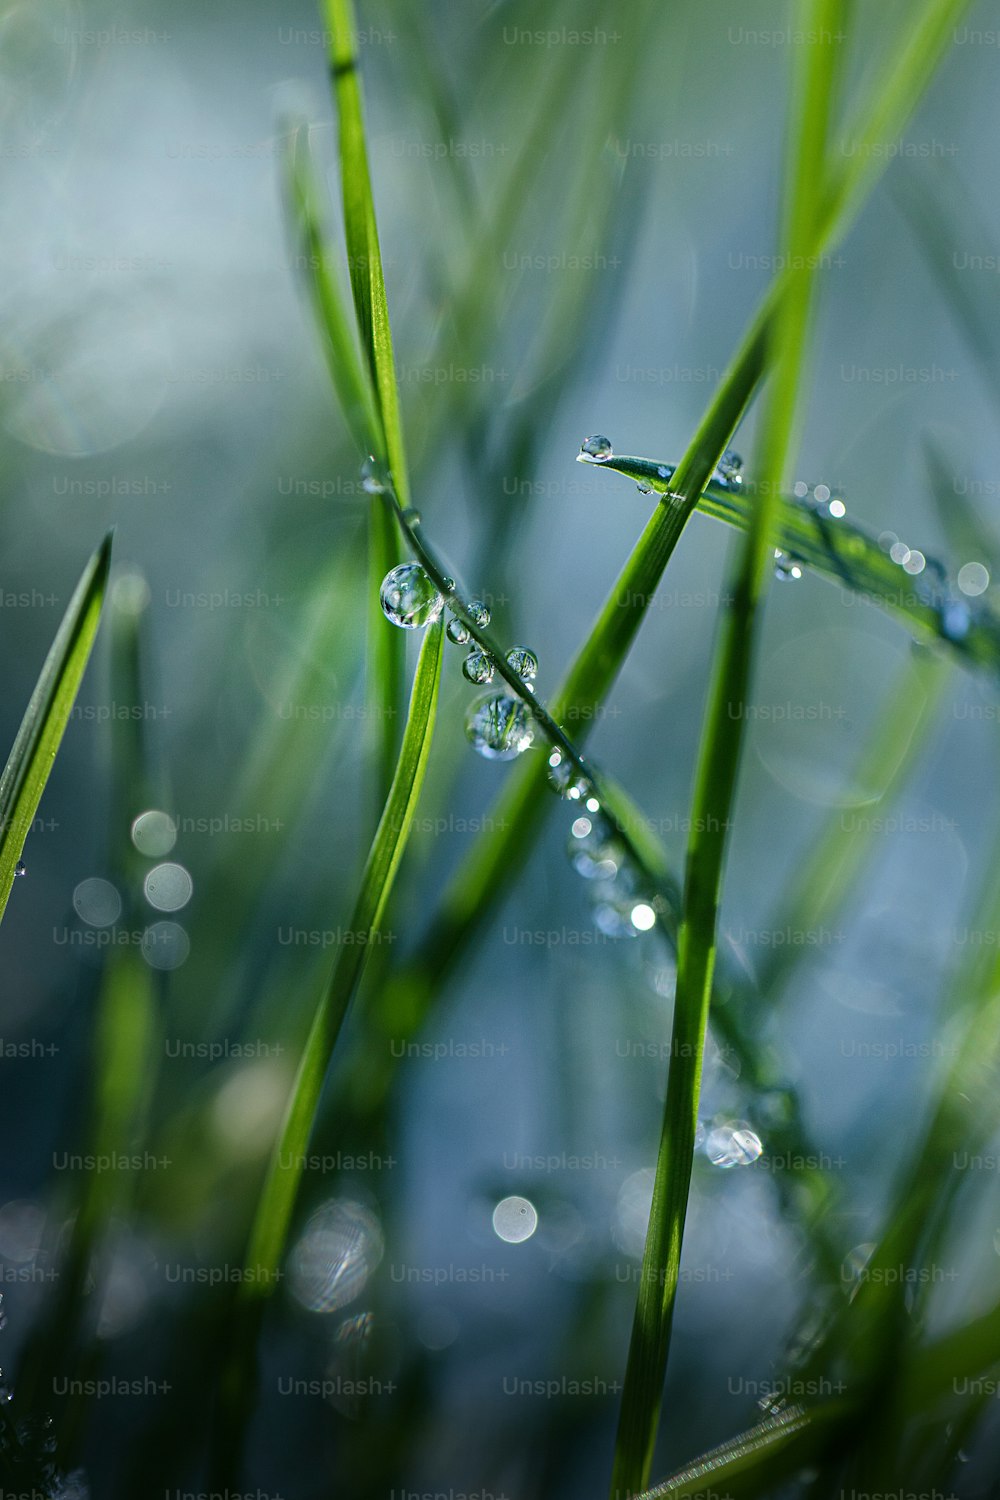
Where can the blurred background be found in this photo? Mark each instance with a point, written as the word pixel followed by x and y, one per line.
pixel 577 213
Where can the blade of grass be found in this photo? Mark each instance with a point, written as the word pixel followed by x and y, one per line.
pixel 40 735
pixel 275 1205
pixel 718 766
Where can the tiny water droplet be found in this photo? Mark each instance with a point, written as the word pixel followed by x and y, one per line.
pixel 20 868
pixel 523 662
pixel 785 567
pixel 457 631
pixel 412 516
pixel 665 471
pixel 499 727
pixel 448 584
pixel 644 489
pixel 594 851
pixel 478 667
pixel 597 447
pixel 564 778
pixel 373 478
pixel 409 598
pixel 729 471
pixel 479 613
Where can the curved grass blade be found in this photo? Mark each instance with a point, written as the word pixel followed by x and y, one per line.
pixel 274 1211
pixel 273 1214
pixel 847 553
pixel 38 739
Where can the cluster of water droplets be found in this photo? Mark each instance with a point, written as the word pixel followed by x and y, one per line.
pixel 951 601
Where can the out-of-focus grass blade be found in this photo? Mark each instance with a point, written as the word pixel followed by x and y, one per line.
pixel 718 766
pixel 38 739
pixel 350 377
pixel 967 535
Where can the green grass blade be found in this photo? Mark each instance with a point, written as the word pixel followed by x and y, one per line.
pixel 38 739
pixel 349 376
pixel 715 780
pixel 277 1200
pixel 364 255
pixel 847 553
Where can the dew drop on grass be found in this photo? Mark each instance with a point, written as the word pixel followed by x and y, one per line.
pixel 523 662
pixel 478 667
pixel 499 727
pixel 409 598
pixel 457 631
pixel 479 613
pixel 412 516
pixel 564 778
pixel 785 567
pixel 20 868
pixel 973 578
pixel 729 472
pixel 733 1145
pixel 597 447
pixel 593 850
pixel 372 477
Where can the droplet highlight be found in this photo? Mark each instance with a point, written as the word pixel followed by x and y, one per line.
pixel 409 598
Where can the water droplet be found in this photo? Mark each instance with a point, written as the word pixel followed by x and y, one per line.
pixel 973 578
pixel 412 516
pixel 899 552
pixel 340 1247
pixel 478 613
pixel 478 667
pixel 729 471
pixel 594 851
pixel 448 584
pixel 168 887
pixel 785 566
pixel 837 508
pixel 457 631
pixel 822 493
pixel 613 915
pixel 20 868
pixel 409 598
pixel 914 563
pixel 800 489
pixel 565 779
pixel 154 833
pixel 373 477
pixel 644 489
pixel 499 727
pixel 597 447
pixel 523 662
pixel 733 1145
pixel 515 1219
pixel 956 619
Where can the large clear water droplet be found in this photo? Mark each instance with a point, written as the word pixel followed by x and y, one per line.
pixel 479 613
pixel 785 566
pixel 409 598
pixel 499 727
pixel 597 447
pixel 457 631
pixel 523 662
pixel 478 667
pixel 733 1144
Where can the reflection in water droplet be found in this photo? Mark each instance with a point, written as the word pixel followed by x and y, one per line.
pixel 597 447
pixel 973 578
pixel 457 631
pixel 409 598
pixel 498 727
pixel 478 667
pixel 373 477
pixel 564 778
pixel 729 473
pixel 412 516
pixel 479 613
pixel 97 902
pixel 336 1254
pixel 154 833
pixel 168 887
pixel 165 945
pixel 20 868
pixel 515 1220
pixel 732 1145
pixel 523 662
